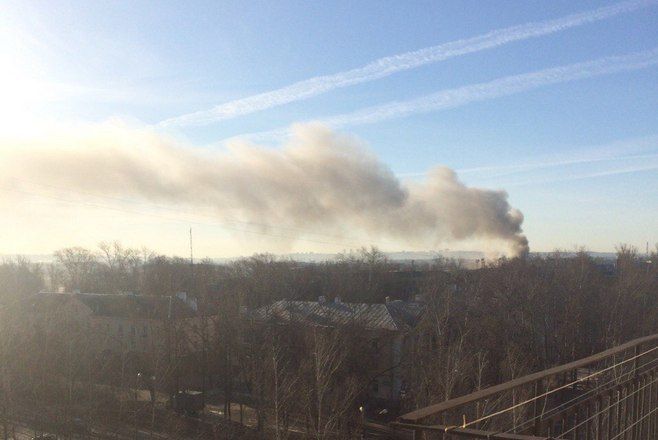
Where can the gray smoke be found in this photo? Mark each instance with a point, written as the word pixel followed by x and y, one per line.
pixel 320 180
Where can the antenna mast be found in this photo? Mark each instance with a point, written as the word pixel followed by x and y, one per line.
pixel 191 249
pixel 192 286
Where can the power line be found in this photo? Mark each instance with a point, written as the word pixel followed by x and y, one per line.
pixel 634 424
pixel 574 401
pixel 215 223
pixel 497 413
pixel 167 208
pixel 607 408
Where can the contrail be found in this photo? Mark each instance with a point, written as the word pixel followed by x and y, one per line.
pixel 386 66
pixel 460 96
pixel 627 149
pixel 582 176
pixel 636 148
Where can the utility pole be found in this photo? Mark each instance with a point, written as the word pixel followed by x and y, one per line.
pixel 204 324
pixel 191 254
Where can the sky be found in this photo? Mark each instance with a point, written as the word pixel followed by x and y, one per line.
pixel 553 102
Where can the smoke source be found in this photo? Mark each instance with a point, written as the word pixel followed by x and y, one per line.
pixel 320 180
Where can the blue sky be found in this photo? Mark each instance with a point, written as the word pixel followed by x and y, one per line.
pixel 578 157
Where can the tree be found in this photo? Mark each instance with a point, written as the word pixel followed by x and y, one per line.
pixel 81 268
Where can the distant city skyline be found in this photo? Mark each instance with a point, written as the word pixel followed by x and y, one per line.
pixel 551 102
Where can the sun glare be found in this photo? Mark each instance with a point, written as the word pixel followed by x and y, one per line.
pixel 20 102
pixel 23 90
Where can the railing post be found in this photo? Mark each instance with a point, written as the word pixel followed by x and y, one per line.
pixel 539 389
pixel 636 353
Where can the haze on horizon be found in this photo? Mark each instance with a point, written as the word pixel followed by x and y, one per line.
pixel 470 127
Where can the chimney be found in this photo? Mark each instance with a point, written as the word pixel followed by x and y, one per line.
pixel 322 299
pixel 337 300
pixel 388 299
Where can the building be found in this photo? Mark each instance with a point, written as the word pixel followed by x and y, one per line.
pixel 118 322
pixel 386 327
pixel 152 335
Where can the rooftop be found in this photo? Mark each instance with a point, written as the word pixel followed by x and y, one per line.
pixel 120 305
pixel 392 315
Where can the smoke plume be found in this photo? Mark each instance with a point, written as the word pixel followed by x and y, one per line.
pixel 320 180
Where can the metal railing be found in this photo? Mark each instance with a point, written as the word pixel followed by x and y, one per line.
pixel 610 395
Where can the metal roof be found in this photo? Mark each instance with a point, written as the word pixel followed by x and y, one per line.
pixel 393 315
pixel 118 305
